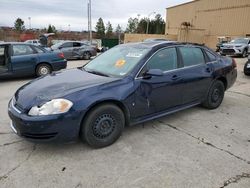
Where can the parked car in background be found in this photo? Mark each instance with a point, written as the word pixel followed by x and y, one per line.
pixel 35 42
pixel 238 46
pixel 23 59
pixel 127 85
pixel 221 41
pixel 247 67
pixel 75 50
pixel 155 39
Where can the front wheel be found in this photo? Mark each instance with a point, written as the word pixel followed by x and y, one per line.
pixel 103 126
pixel 215 95
pixel 247 70
pixel 244 54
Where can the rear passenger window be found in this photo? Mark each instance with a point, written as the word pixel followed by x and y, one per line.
pixel 76 44
pixel 211 56
pixel 192 56
pixel 165 60
pixel 19 49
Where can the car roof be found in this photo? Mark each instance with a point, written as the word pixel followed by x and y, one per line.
pixel 11 43
pixel 152 44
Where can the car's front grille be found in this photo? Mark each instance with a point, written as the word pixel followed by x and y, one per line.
pixel 39 136
pixel 231 51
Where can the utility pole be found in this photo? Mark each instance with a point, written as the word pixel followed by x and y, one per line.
pixel 149 20
pixel 29 22
pixel 90 21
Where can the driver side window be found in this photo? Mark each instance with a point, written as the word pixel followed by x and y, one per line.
pixel 164 60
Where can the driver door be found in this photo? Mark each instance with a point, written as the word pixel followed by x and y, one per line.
pixel 4 66
pixel 159 93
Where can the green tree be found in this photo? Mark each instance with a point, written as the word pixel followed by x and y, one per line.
pixel 159 25
pixel 132 25
pixel 118 29
pixel 100 29
pixel 109 29
pixel 19 24
pixel 51 29
pixel 142 26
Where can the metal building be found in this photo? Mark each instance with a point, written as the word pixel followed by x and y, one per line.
pixel 203 21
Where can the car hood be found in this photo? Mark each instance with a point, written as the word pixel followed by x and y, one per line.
pixel 57 85
pixel 234 44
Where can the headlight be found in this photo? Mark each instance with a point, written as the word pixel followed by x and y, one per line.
pixel 55 106
pixel 238 46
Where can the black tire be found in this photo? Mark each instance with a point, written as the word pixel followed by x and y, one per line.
pixel 43 69
pixel 215 95
pixel 246 70
pixel 244 53
pixel 86 56
pixel 103 126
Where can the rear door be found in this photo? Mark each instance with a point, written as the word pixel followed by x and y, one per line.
pixel 23 59
pixel 195 72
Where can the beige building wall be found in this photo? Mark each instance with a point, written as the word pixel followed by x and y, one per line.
pixel 212 17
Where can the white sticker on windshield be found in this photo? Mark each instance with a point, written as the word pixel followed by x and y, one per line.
pixel 136 55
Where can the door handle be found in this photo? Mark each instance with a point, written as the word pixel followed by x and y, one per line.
pixel 175 77
pixel 208 69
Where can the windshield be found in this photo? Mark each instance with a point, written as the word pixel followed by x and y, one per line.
pixel 241 41
pixel 117 61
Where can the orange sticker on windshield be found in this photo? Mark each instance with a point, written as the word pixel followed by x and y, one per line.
pixel 120 63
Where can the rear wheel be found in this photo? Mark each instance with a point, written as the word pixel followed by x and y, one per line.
pixel 86 56
pixel 43 69
pixel 103 126
pixel 215 95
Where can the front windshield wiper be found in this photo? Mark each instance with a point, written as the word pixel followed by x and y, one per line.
pixel 96 72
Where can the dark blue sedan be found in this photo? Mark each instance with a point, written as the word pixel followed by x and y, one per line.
pixel 21 59
pixel 127 85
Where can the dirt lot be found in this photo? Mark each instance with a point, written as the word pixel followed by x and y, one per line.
pixel 189 149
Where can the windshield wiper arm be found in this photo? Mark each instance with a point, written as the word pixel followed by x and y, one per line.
pixel 97 73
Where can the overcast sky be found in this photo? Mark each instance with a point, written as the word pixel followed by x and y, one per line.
pixel 63 13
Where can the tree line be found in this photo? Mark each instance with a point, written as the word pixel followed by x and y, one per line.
pixel 134 25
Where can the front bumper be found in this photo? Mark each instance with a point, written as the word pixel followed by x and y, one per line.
pixel 231 51
pixel 56 128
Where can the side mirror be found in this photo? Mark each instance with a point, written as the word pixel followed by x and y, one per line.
pixel 152 72
pixel 60 47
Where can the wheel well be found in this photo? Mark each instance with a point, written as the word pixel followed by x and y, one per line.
pixel 114 102
pixel 224 80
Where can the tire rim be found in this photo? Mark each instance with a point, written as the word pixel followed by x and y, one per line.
pixel 244 53
pixel 104 126
pixel 86 56
pixel 216 95
pixel 44 71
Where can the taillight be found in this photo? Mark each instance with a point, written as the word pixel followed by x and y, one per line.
pixel 234 63
pixel 61 55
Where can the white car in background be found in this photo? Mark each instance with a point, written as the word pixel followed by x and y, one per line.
pixel 35 42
